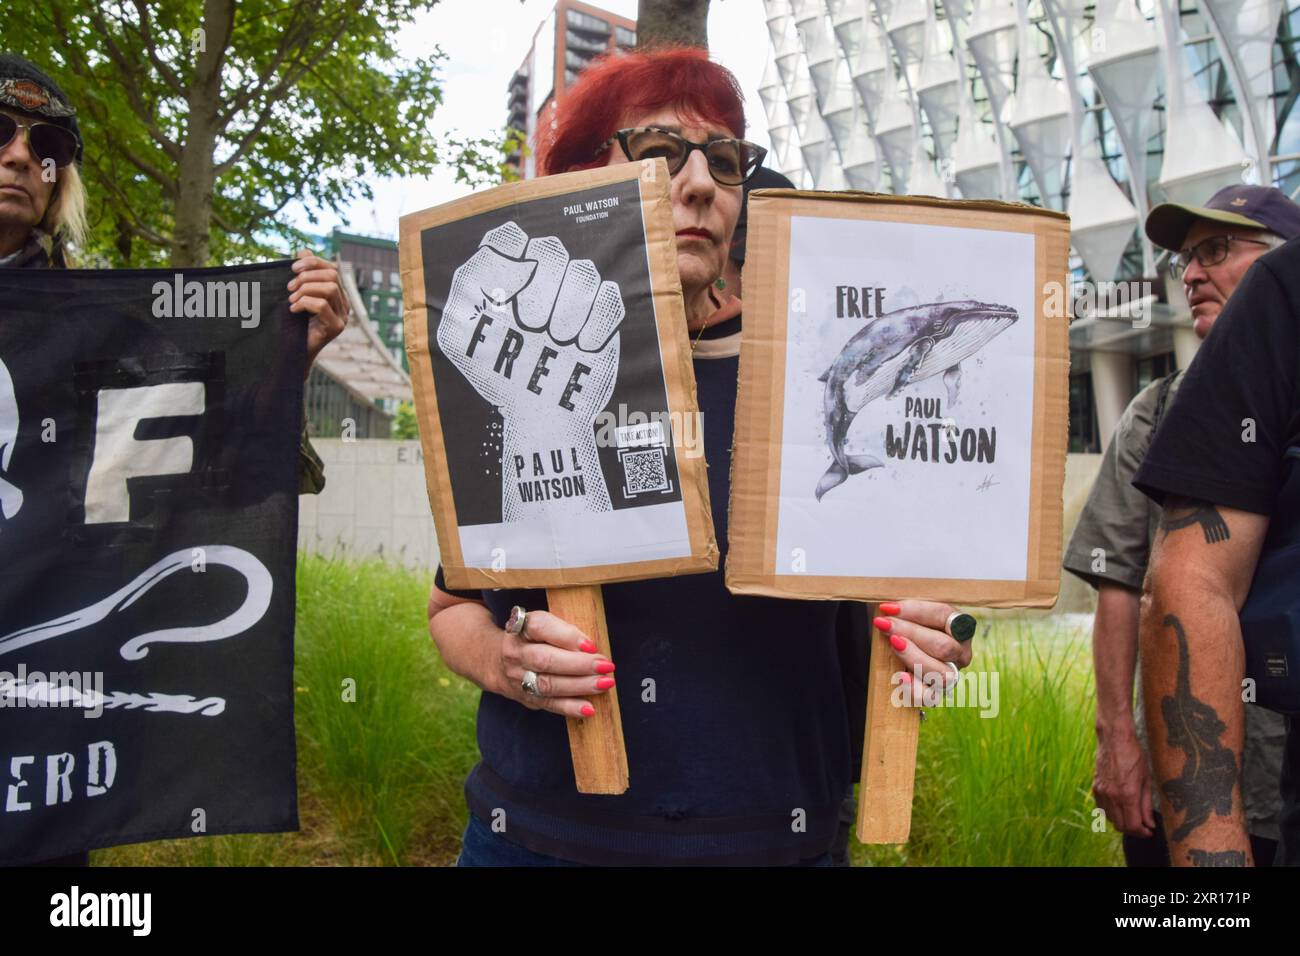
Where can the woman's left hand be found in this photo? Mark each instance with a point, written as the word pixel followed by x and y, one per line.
pixel 317 290
pixel 918 636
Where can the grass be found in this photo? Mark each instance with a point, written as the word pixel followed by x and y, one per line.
pixel 385 734
pixel 1015 789
pixel 386 738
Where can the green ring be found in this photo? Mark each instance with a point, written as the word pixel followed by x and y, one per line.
pixel 962 627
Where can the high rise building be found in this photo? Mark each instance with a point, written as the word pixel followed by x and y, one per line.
pixel 571 36
pixel 375 268
pixel 1100 108
pixel 358 379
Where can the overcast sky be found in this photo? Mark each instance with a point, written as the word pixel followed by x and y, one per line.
pixel 485 41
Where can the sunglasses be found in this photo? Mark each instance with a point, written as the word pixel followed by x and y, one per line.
pixel 45 140
pixel 1208 252
pixel 731 161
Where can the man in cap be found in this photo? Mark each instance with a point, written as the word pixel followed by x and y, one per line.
pixel 1213 245
pixel 1218 466
pixel 763 178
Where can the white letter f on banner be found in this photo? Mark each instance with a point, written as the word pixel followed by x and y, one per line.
pixel 119 455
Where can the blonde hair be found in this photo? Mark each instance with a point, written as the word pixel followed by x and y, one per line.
pixel 65 217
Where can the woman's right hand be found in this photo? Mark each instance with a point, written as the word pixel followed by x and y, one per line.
pixel 568 665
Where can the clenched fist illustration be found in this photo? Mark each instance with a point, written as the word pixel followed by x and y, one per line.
pixel 536 334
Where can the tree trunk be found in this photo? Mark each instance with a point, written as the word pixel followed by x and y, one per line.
pixel 660 22
pixel 196 171
pixel 194 183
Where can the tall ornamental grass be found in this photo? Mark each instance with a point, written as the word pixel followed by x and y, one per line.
pixel 386 738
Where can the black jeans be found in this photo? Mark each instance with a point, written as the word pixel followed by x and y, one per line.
pixel 480 846
pixel 72 859
pixel 1288 853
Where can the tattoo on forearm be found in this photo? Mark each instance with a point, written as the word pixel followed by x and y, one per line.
pixel 1200 513
pixel 1216 857
pixel 1210 772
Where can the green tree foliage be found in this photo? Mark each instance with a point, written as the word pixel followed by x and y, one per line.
pixel 205 120
pixel 404 424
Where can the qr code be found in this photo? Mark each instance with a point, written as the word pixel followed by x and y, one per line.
pixel 644 470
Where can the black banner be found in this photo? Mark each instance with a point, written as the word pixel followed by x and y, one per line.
pixel 149 425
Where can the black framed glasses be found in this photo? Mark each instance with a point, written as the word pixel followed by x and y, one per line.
pixel 1208 252
pixel 45 140
pixel 731 161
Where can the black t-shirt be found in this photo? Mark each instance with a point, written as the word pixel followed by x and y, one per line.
pixel 1225 435
pixel 739 749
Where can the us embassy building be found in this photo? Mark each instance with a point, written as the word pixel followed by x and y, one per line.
pixel 1100 110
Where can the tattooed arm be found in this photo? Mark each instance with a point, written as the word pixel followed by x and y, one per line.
pixel 1202 562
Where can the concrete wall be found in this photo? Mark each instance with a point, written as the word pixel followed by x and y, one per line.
pixel 1080 472
pixel 375 505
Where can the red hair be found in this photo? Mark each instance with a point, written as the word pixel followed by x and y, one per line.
pixel 621 83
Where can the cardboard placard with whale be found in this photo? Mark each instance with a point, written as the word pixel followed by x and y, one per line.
pixel 901 425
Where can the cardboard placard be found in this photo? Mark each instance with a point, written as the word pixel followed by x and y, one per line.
pixel 902 422
pixel 552 371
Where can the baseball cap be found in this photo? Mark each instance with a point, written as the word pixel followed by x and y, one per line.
pixel 1256 207
pixel 763 178
pixel 25 88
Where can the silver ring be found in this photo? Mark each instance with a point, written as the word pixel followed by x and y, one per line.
pixel 529 683
pixel 515 622
pixel 956 677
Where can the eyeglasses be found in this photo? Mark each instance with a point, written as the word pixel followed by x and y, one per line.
pixel 1208 252
pixel 731 161
pixel 46 141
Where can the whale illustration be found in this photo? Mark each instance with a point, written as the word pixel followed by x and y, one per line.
pixel 892 352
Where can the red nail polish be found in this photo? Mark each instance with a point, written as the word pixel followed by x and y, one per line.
pixel 588 646
pixel 883 624
pixel 889 607
pixel 604 683
pixel 897 642
pixel 588 710
pixel 905 677
pixel 604 667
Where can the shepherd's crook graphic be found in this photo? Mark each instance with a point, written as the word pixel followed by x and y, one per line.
pixel 249 613
pixel 40 693
pixel 11 498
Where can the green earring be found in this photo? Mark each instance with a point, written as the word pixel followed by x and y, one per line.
pixel 720 284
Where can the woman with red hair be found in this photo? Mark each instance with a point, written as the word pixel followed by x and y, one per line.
pixel 733 710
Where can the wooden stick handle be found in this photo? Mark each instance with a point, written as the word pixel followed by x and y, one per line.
pixel 596 742
pixel 888 752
